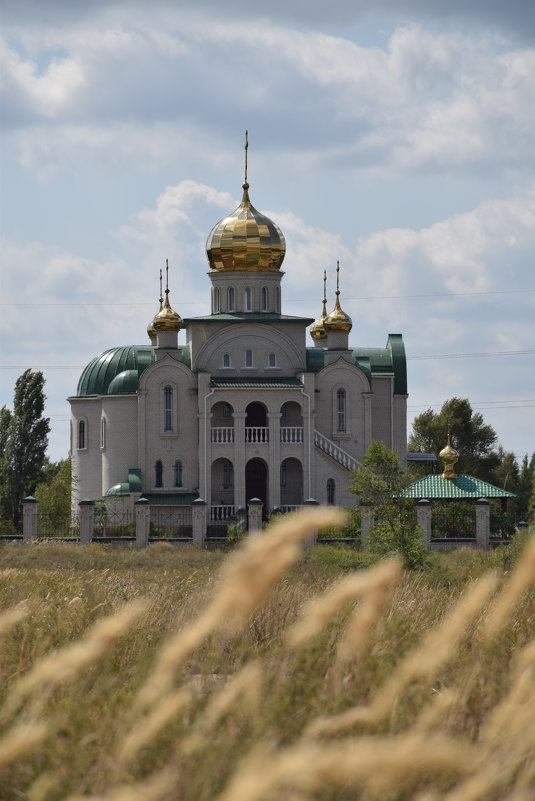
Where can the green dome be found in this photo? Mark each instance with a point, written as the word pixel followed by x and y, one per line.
pixel 115 371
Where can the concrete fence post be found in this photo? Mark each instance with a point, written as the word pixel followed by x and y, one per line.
pixel 424 512
pixel 482 524
pixel 312 539
pixel 142 512
pixel 255 515
pixel 29 519
pixel 87 520
pixel 198 520
pixel 366 524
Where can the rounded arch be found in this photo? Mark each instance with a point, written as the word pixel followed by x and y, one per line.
pixel 222 474
pixel 256 482
pixel 256 414
pixel 331 492
pixel 82 434
pixel 291 482
pixel 291 413
pixel 254 337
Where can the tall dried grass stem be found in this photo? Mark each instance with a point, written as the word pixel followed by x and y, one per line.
pixel 145 729
pixel 20 741
pixel 11 617
pixel 520 580
pixel 154 788
pixel 436 648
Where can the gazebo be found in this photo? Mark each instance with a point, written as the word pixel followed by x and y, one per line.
pixel 448 486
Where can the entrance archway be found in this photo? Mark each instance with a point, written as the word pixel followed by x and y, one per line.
pixel 256 476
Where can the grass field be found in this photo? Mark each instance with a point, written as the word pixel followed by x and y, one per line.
pixel 265 673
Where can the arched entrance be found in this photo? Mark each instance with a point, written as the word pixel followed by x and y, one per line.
pixel 291 483
pixel 256 476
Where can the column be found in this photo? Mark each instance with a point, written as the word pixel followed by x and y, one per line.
pixel 366 524
pixel 255 515
pixel 424 512
pixel 198 519
pixel 312 539
pixel 239 459
pixel 482 524
pixel 29 519
pixel 87 516
pixel 142 511
pixel 274 422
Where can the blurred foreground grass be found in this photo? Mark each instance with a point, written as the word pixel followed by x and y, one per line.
pixel 265 674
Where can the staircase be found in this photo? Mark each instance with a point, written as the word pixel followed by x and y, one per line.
pixel 335 452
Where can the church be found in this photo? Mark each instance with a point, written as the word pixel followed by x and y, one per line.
pixel 246 408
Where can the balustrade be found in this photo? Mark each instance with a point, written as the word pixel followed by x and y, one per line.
pixel 292 434
pixel 256 434
pixel 220 513
pixel 222 436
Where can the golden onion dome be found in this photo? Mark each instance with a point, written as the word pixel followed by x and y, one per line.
pixel 246 240
pixel 317 329
pixel 449 456
pixel 338 320
pixel 167 318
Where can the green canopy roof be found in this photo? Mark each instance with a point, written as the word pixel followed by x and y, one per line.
pixel 458 488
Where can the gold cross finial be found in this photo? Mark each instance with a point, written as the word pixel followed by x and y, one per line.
pixel 161 291
pixel 337 277
pixel 246 148
pixel 325 286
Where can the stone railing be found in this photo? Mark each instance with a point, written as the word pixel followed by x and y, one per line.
pixel 335 452
pixel 256 434
pixel 292 434
pixel 222 436
pixel 221 512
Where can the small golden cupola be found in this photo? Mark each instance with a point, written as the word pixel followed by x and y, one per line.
pixel 246 240
pixel 338 320
pixel 317 329
pixel 151 331
pixel 167 318
pixel 449 456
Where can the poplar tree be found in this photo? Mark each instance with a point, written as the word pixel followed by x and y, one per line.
pixel 25 432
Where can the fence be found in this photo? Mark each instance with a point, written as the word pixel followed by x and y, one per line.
pixel 110 522
pixel 54 526
pixel 171 522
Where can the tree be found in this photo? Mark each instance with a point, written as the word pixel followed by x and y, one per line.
pixel 54 495
pixel 379 484
pixel 470 436
pixel 26 441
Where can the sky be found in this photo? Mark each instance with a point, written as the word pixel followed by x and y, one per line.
pixel 396 136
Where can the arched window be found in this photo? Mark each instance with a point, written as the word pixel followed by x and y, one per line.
pixel 226 360
pixel 102 432
pixel 331 492
pixel 178 473
pixel 248 299
pixel 272 360
pixel 283 474
pixel 228 473
pixel 248 358
pixel 217 300
pixel 227 410
pixel 168 409
pixel 277 299
pixel 341 410
pixel 158 474
pixel 265 298
pixel 230 298
pixel 81 435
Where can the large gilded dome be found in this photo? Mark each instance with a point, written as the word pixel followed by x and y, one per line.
pixel 246 240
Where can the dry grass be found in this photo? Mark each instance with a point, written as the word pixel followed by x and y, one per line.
pixel 268 674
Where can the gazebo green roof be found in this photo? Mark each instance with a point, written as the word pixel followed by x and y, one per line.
pixel 462 487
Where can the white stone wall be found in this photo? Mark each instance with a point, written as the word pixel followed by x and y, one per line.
pixel 86 462
pixel 120 447
pixel 342 375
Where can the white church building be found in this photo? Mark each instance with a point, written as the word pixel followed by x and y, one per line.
pixel 246 408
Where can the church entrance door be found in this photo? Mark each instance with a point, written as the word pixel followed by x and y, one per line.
pixel 256 482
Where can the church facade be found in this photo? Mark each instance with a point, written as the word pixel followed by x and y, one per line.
pixel 245 409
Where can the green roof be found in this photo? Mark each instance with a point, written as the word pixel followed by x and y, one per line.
pixel 256 383
pixel 126 487
pixel 462 486
pixel 117 371
pixel 248 317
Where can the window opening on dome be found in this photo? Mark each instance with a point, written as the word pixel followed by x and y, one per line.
pixel 248 358
pixel 265 298
pixel 341 410
pixel 158 474
pixel 168 409
pixel 230 299
pixel 228 474
pixel 272 360
pixel 217 300
pixel 277 299
pixel 102 432
pixel 178 473
pixel 81 435
pixel 331 492
pixel 226 360
pixel 248 299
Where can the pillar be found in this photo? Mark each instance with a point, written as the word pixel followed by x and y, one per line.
pixel 255 515
pixel 142 512
pixel 87 517
pixel 366 524
pixel 29 519
pixel 482 524
pixel 239 459
pixel 312 539
pixel 198 519
pixel 274 422
pixel 424 511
